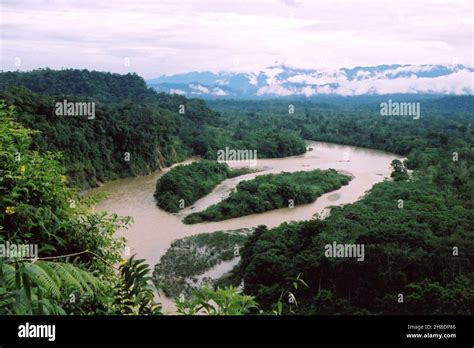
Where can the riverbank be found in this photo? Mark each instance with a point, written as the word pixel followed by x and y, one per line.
pixel 154 230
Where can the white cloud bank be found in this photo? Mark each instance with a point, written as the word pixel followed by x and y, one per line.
pixel 168 37
pixel 459 81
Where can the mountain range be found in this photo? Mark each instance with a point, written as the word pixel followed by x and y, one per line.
pixel 284 81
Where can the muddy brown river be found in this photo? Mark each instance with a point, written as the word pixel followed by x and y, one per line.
pixel 154 229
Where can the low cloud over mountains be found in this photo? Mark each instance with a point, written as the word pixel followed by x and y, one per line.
pixel 280 81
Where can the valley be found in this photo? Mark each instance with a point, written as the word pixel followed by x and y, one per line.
pixel 154 229
pixel 408 203
pixel 197 173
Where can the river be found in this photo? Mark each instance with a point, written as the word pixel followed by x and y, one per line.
pixel 154 229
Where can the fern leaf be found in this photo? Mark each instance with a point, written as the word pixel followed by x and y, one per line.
pixel 41 278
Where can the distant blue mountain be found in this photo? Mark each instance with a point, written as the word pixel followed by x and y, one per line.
pixel 284 81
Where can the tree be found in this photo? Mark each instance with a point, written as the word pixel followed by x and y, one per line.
pixel 399 171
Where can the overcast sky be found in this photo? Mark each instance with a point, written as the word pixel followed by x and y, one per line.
pixel 164 37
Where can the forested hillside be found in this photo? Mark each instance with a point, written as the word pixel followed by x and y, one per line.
pixel 77 247
pixel 135 130
pixel 423 251
pixel 96 150
pixel 101 86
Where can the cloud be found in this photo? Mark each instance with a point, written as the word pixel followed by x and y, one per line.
pixel 275 90
pixel 459 81
pixel 218 91
pixel 199 89
pixel 167 36
pixel 292 3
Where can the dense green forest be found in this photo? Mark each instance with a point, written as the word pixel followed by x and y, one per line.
pixel 418 234
pixel 360 124
pixel 102 86
pixel 408 251
pixel 78 268
pixel 123 140
pixel 417 230
pixel 37 207
pixel 185 184
pixel 271 191
pixel 135 130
